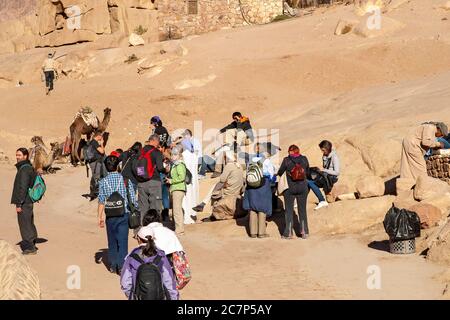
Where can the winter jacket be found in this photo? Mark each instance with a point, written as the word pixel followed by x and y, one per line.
pixel 244 125
pixel 287 165
pixel 331 164
pixel 178 176
pixel 129 271
pixel 24 179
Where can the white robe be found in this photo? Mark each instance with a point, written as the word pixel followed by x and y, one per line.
pixel 192 190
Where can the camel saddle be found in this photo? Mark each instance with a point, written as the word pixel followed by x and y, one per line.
pixel 88 116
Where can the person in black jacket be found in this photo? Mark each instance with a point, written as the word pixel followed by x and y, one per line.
pixel 127 159
pixel 24 205
pixel 298 190
pixel 240 130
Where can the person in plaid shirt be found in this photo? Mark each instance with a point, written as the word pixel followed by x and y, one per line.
pixel 117 227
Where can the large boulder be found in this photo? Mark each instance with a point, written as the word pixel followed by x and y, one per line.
pixel 370 186
pixel 428 187
pixel 17 280
pixel 338 190
pixel 439 246
pixel 430 216
pixel 47 16
pixel 350 216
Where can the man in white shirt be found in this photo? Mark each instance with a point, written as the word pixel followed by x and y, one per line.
pixel 49 69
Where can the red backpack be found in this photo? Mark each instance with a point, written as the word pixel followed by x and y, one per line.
pixel 298 172
pixel 143 168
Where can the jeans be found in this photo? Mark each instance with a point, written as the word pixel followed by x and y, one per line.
pixel 208 165
pixel 316 190
pixel 165 193
pixel 27 228
pixel 289 199
pixel 49 77
pixel 117 232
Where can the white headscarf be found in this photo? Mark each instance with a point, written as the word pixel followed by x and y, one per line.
pixel 165 239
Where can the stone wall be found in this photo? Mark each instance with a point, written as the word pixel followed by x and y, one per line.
pixel 438 166
pixel 175 21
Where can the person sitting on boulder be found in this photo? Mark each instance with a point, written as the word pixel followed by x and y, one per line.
pixel 239 132
pixel 326 177
pixel 414 148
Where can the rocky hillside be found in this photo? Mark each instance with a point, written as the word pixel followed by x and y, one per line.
pixel 10 10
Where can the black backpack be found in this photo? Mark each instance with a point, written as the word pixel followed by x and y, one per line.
pixel 148 284
pixel 115 206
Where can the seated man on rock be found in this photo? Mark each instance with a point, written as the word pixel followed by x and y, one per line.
pixel 226 193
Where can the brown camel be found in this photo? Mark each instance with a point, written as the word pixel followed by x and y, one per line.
pixel 41 160
pixel 79 128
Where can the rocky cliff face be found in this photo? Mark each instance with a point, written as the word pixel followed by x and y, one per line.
pixel 14 9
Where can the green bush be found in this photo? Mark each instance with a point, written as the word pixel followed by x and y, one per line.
pixel 140 30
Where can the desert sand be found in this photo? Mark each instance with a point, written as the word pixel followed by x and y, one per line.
pixel 362 93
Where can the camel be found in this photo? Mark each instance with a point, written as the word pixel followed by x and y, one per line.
pixel 79 128
pixel 42 160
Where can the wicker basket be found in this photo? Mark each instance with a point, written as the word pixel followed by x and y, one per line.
pixel 402 246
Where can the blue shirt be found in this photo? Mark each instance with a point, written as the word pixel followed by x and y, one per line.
pixel 114 182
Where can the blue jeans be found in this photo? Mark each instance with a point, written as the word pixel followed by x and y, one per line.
pixel 208 165
pixel 117 231
pixel 165 193
pixel 316 190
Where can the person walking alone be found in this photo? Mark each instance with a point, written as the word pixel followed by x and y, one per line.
pixel 24 205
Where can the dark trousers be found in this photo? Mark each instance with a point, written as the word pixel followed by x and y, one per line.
pixel 117 231
pixel 96 175
pixel 49 77
pixel 208 165
pixel 289 199
pixel 150 197
pixel 27 228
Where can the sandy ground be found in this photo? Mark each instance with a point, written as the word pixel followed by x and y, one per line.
pixel 322 267
pixel 364 94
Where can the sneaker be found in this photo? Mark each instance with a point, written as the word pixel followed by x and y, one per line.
pixel 304 236
pixel 287 237
pixel 261 236
pixel 199 208
pixel 29 252
pixel 322 204
pixel 253 236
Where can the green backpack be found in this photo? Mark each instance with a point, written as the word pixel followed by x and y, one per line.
pixel 37 190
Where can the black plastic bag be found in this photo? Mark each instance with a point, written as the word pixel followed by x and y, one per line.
pixel 401 224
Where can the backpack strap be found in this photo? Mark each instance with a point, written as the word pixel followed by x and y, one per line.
pixel 157 260
pixel 136 257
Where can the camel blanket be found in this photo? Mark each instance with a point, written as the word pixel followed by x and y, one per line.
pixel 89 117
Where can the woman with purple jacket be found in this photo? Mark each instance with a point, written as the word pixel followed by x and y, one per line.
pixel 148 252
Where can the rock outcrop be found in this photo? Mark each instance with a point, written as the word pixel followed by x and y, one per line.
pixel 428 187
pixel 17 280
pixel 370 186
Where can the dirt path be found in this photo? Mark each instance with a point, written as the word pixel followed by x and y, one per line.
pixel 226 263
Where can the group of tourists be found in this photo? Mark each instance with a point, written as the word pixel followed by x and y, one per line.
pixel 152 190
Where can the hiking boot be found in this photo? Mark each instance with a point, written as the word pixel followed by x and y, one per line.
pixel 29 252
pixel 216 175
pixel 199 208
pixel 322 204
